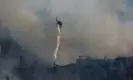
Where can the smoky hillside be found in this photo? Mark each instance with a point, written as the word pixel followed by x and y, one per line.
pixel 96 40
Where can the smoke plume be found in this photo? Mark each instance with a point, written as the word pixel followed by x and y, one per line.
pixel 91 27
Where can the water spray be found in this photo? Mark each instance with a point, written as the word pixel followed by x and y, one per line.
pixel 59 26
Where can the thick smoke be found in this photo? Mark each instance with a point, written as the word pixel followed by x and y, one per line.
pixel 91 27
pixel 24 26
